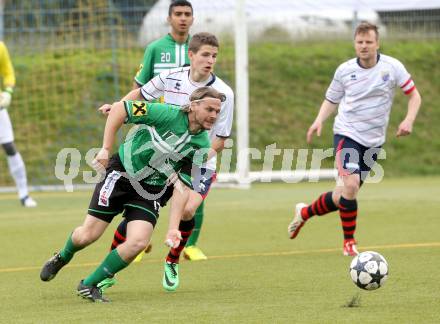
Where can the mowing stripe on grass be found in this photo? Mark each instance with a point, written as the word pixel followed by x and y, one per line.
pixel 246 255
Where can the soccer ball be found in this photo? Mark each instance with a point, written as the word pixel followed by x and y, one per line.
pixel 369 270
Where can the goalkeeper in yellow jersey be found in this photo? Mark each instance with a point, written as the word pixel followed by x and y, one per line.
pixel 15 162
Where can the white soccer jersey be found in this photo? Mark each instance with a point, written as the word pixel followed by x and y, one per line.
pixel 176 87
pixel 365 97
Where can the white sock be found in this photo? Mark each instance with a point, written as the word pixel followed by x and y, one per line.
pixel 18 172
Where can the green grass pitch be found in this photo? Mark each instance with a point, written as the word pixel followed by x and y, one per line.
pixel 254 274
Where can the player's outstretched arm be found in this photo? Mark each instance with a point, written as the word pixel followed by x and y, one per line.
pixel 327 108
pixel 132 95
pixel 178 202
pixel 114 121
pixel 414 102
pixel 135 86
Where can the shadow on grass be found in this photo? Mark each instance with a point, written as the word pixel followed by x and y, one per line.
pixel 355 301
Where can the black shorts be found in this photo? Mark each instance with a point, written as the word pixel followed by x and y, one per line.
pixel 118 193
pixel 354 158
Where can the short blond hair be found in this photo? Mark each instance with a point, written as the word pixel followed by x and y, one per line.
pixel 364 27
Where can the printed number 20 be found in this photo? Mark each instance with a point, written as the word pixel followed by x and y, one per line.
pixel 165 57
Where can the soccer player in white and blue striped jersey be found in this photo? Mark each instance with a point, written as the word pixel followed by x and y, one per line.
pixel 362 91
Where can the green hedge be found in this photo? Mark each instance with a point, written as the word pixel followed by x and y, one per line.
pixel 288 83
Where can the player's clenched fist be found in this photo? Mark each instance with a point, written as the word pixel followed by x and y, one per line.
pixel 100 162
pixel 173 238
pixel 105 109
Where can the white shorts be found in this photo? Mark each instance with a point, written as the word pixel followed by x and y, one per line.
pixel 6 133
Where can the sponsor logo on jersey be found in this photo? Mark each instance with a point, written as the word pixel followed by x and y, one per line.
pixel 353 77
pixel 177 86
pixel 107 188
pixel 385 75
pixel 139 108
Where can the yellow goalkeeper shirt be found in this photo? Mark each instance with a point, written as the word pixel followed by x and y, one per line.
pixel 6 69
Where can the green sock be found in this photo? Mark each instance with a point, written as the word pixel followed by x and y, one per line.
pixel 198 218
pixel 112 264
pixel 69 250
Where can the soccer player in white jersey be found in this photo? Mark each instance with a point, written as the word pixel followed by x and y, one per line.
pixel 362 89
pixel 176 85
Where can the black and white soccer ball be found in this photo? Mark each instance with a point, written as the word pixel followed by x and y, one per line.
pixel 369 270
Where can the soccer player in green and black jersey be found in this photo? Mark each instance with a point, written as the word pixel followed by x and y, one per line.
pixel 168 140
pixel 165 53
pixel 170 51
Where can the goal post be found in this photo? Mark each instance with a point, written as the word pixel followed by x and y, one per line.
pixel 71 57
pixel 243 176
pixel 242 94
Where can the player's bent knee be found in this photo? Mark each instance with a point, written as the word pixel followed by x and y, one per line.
pixel 134 246
pixel 351 189
pixel 83 236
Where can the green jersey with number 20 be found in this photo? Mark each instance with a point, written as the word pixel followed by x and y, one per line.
pixel 161 55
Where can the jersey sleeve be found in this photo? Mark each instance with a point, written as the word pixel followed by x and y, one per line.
pixel 145 71
pixel 223 126
pixel 154 88
pixel 153 114
pixel 6 68
pixel 403 78
pixel 335 91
